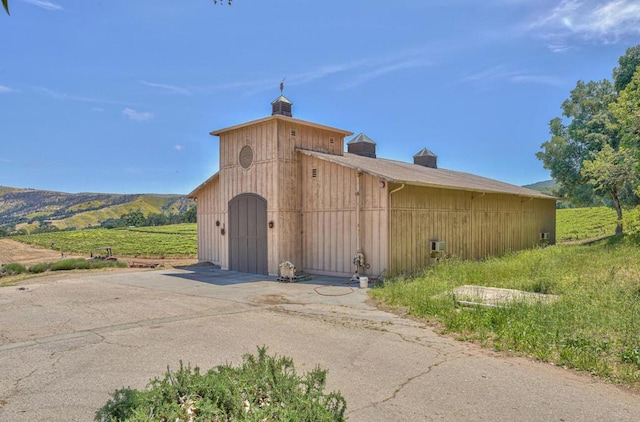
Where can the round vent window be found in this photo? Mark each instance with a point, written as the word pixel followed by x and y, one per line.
pixel 246 157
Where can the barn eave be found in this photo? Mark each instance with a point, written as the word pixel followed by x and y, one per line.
pixel 194 193
pixel 282 118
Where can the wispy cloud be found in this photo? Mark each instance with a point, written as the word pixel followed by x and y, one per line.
pixel 179 147
pixel 4 160
pixel 44 4
pixel 5 89
pixel 71 97
pixel 348 74
pixel 170 88
pixel 137 116
pixel 602 21
pixel 502 73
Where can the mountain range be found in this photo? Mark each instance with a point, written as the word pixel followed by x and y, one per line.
pixel 27 208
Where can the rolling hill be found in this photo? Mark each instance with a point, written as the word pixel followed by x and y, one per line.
pixel 31 208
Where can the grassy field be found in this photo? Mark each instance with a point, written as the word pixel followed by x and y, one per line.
pixel 592 327
pixel 584 223
pixel 178 240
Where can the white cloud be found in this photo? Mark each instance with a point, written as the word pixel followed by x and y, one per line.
pixel 138 116
pixel 501 73
pixel 179 147
pixel 171 88
pixel 64 96
pixel 602 21
pixel 44 4
pixel 5 89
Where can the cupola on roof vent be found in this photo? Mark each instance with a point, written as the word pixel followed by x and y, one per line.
pixel 362 145
pixel 282 106
pixel 426 158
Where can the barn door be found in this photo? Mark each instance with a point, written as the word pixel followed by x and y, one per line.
pixel 248 234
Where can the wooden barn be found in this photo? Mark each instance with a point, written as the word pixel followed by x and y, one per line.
pixel 287 191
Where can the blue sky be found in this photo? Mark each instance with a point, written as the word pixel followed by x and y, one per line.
pixel 119 96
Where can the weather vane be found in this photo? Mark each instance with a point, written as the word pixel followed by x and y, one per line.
pixel 282 85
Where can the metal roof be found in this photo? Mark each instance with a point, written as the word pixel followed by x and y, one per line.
pixel 413 174
pixel 281 99
pixel 425 153
pixel 361 137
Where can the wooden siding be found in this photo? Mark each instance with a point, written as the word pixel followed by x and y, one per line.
pixel 328 212
pixel 209 236
pixel 473 225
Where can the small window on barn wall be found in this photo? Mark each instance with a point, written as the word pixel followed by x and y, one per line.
pixel 314 172
pixel 293 133
pixel 331 140
pixel 245 159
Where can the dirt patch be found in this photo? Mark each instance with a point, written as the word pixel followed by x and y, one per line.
pixel 22 253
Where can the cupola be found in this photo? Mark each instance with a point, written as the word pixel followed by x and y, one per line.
pixel 426 158
pixel 281 105
pixel 362 145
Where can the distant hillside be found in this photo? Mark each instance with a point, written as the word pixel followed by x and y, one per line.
pixel 546 186
pixel 29 207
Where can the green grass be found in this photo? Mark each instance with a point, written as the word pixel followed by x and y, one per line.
pixel 174 240
pixel 584 223
pixel 593 326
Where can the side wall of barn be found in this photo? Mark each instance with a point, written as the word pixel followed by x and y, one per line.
pixel 473 225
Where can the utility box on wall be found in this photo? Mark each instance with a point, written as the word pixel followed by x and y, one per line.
pixel 437 246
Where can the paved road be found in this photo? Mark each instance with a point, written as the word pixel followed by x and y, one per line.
pixel 67 341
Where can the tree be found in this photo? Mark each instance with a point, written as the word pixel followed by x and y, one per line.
pixel 591 126
pixel 5 4
pixel 628 64
pixel 610 172
pixel 626 111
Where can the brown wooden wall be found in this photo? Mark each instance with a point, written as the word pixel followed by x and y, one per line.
pixel 328 211
pixel 473 225
pixel 209 237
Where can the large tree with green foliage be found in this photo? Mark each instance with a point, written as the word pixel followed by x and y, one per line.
pixel 627 66
pixel 594 155
pixel 626 111
pixel 590 127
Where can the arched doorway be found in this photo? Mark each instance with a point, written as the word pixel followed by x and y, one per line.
pixel 248 234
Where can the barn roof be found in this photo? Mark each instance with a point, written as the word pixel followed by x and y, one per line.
pixel 413 174
pixel 194 193
pixel 280 117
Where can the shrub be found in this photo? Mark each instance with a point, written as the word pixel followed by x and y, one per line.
pixel 84 264
pixel 14 268
pixel 263 388
pixel 39 268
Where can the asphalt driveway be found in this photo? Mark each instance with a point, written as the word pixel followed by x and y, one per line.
pixel 67 341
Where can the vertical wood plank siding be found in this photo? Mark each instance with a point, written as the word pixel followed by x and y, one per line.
pixel 473 225
pixel 209 237
pixel 328 210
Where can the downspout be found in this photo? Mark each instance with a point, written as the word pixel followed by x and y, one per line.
pixel 358 176
pixel 396 190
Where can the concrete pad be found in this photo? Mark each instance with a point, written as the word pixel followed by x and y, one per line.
pixel 67 341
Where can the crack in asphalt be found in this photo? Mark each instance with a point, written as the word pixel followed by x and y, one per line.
pixel 118 327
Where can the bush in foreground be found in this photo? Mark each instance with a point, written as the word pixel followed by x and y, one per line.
pixel 263 388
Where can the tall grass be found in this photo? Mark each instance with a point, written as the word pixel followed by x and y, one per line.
pixel 594 326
